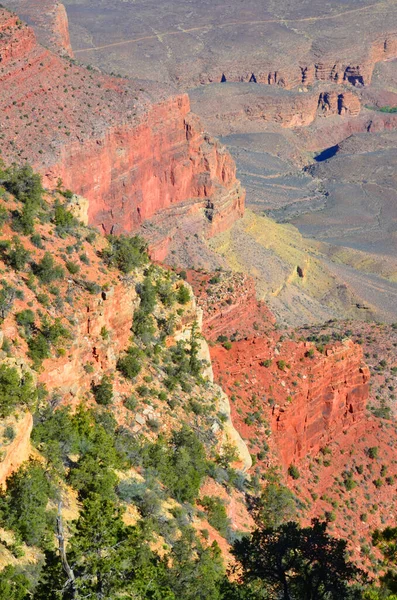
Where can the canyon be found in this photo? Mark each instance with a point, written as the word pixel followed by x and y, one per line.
pixel 131 148
pixel 142 161
pixel 282 88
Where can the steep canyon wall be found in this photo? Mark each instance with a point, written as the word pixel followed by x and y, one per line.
pixel 132 149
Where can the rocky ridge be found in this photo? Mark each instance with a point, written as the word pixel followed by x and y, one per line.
pixel 49 20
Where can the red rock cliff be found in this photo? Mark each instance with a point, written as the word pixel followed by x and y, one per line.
pixel 132 149
pixel 307 397
pixel 50 21
pixel 229 305
pixel 136 171
pixel 331 398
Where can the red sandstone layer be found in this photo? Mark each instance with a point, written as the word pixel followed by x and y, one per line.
pixel 329 394
pixel 230 305
pixel 308 396
pixel 131 148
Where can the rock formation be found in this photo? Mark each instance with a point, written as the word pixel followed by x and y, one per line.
pixel 230 305
pixel 309 397
pixel 50 21
pixel 131 149
pixel 331 398
pixel 234 107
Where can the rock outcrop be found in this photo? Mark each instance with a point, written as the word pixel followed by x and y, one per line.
pixel 111 311
pixel 245 107
pixel 308 397
pixel 287 72
pixel 332 397
pixel 230 306
pixel 50 21
pixel 18 451
pixel 136 172
pixel 132 149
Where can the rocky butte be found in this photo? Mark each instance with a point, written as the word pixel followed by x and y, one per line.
pixel 132 149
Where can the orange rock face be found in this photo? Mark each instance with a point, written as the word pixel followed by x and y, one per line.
pixel 332 103
pixel 332 397
pixel 309 401
pixel 18 450
pixel 133 149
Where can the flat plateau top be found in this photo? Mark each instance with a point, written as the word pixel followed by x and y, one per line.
pixel 193 41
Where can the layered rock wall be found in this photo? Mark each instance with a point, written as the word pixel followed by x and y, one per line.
pixel 230 306
pixel 308 398
pixel 306 71
pixel 331 398
pixel 135 172
pixel 132 149
pixel 246 107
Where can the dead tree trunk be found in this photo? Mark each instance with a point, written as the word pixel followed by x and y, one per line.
pixel 61 546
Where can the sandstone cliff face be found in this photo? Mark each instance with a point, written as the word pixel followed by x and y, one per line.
pixel 308 402
pixel 135 172
pixel 132 149
pixel 343 104
pixel 308 397
pixel 331 398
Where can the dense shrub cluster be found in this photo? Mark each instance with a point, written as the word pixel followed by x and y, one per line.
pixel 26 186
pixel 125 253
pixel 47 270
pixel 130 364
pixel 16 390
